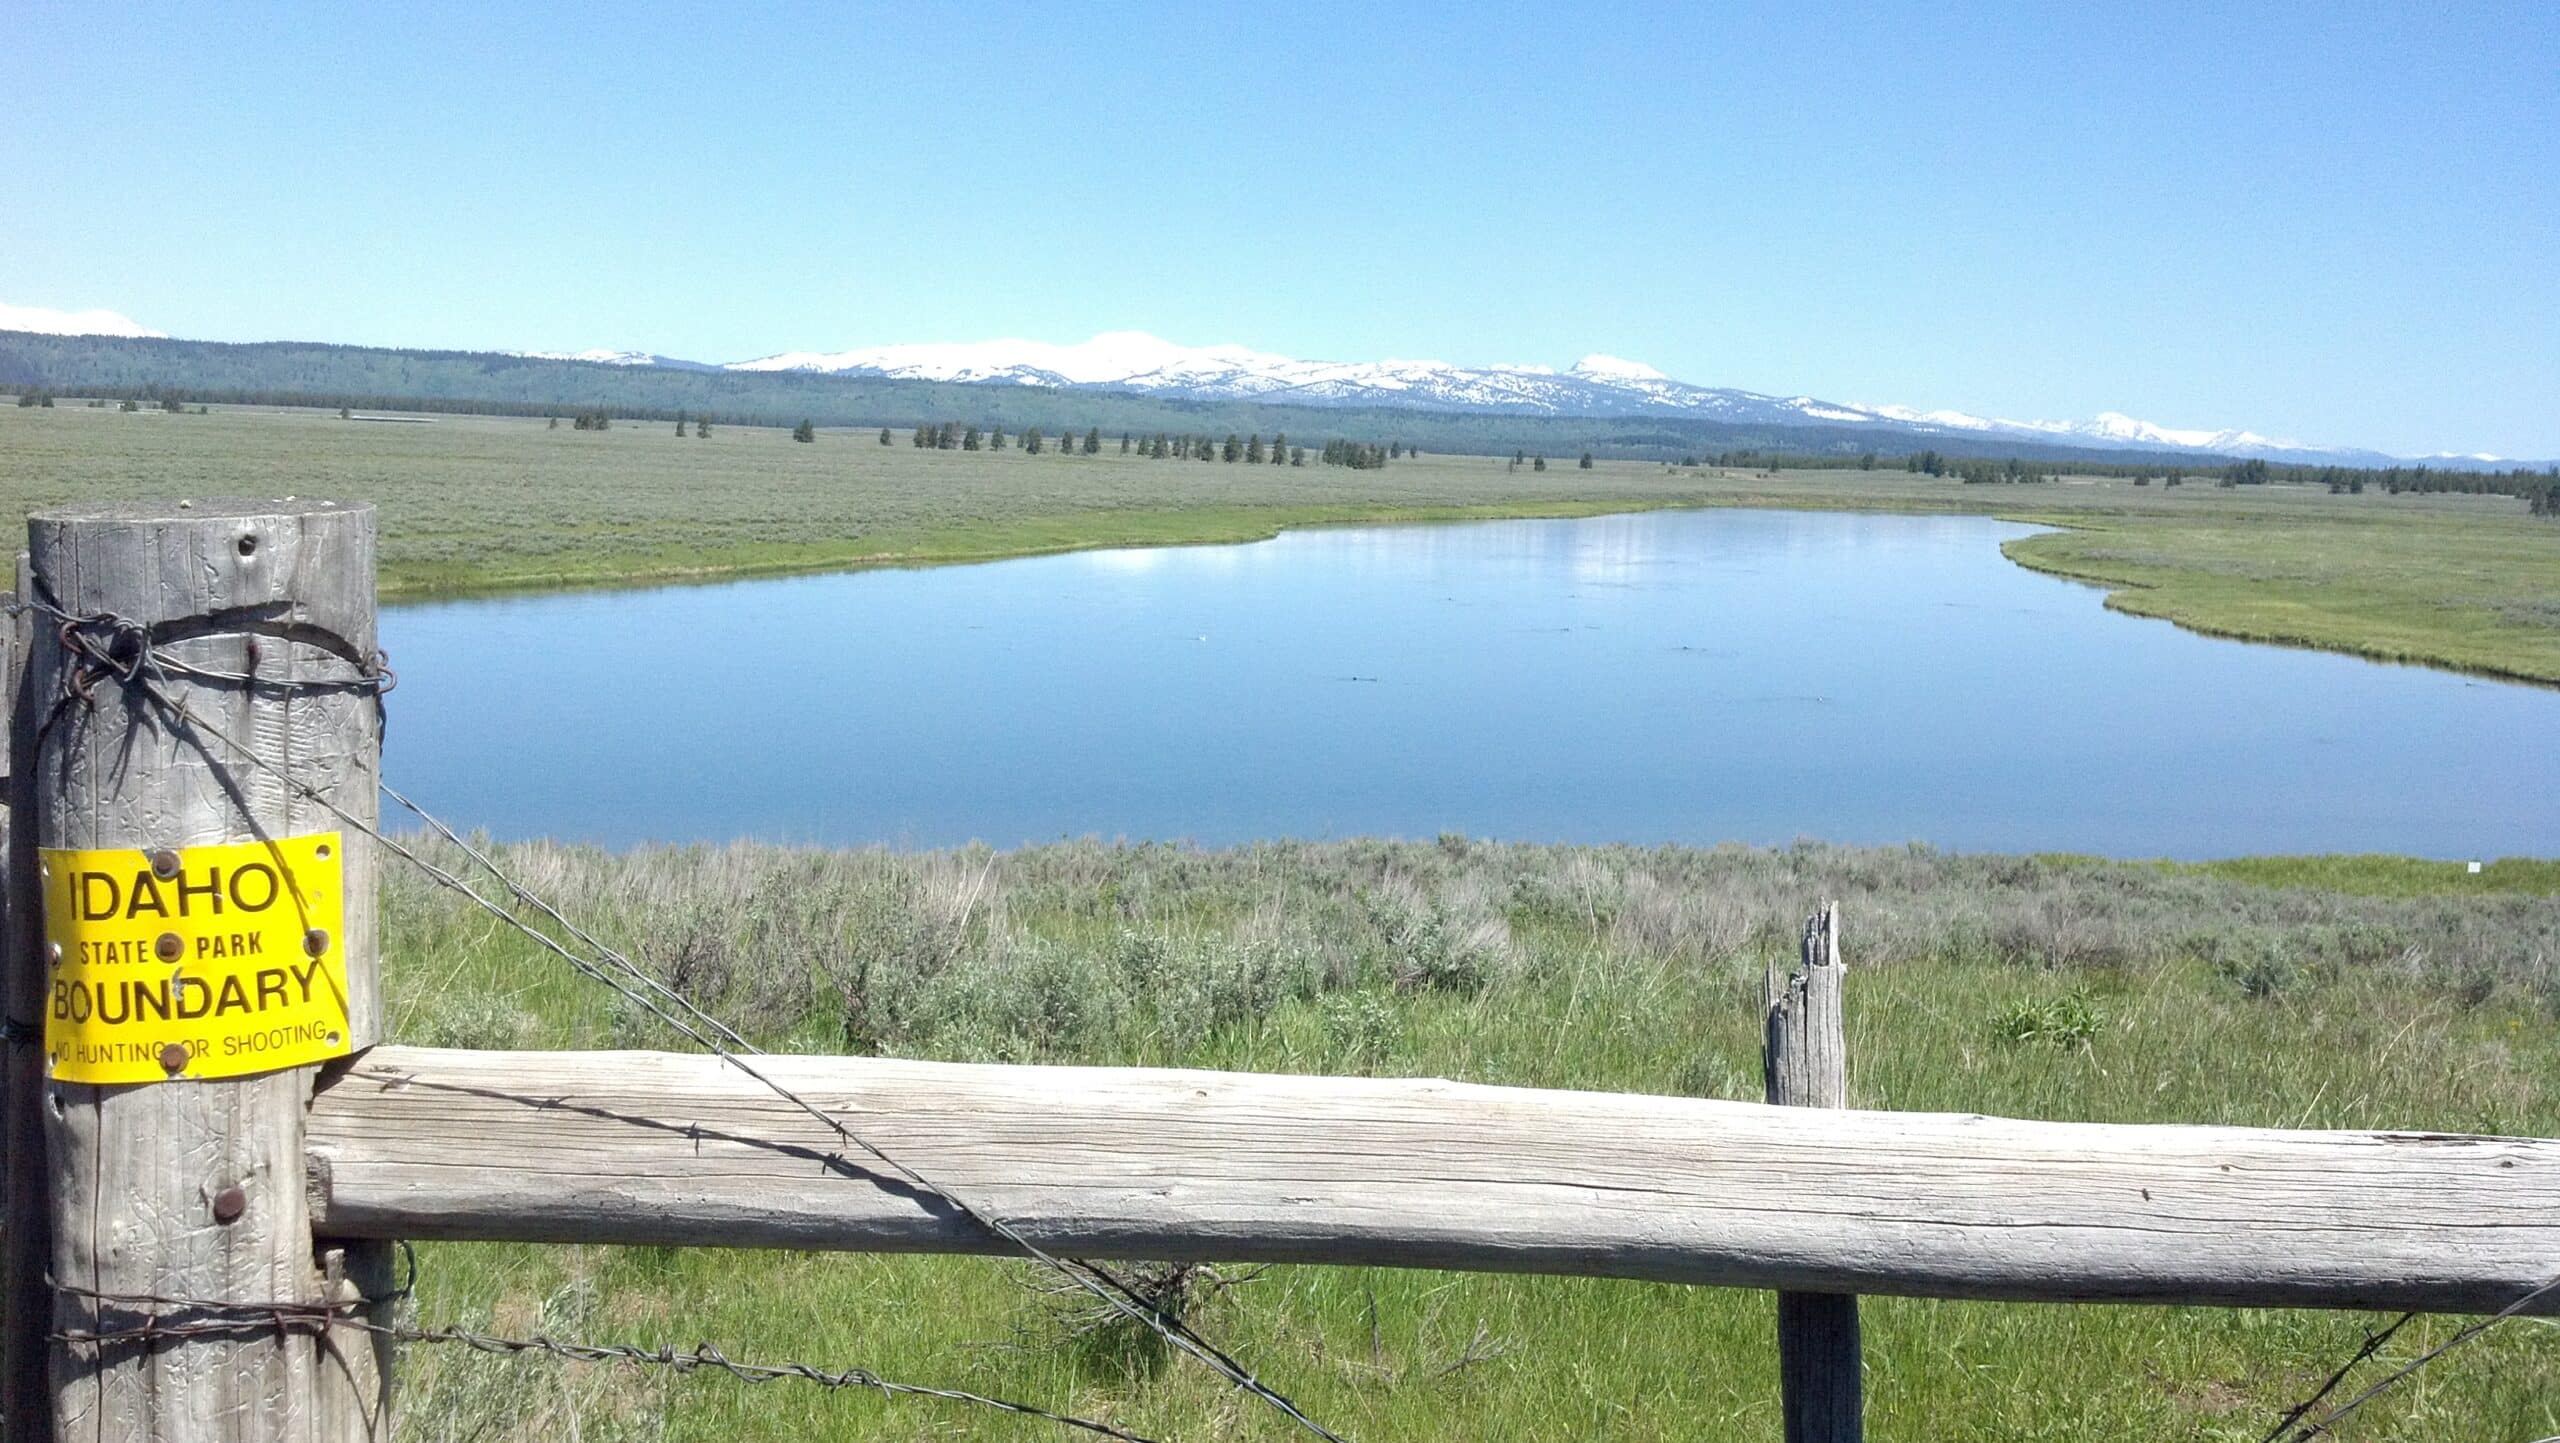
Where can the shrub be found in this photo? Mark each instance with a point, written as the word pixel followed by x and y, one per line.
pixel 2068 1021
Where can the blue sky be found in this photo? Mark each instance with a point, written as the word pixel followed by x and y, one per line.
pixel 2334 222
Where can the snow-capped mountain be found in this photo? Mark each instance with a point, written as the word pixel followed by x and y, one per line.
pixel 600 356
pixel 1596 385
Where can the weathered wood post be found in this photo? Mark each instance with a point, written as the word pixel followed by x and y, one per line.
pixel 206 943
pixel 1804 1061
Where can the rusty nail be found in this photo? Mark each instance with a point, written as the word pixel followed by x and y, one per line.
pixel 164 864
pixel 229 1204
pixel 168 948
pixel 173 1058
pixel 316 941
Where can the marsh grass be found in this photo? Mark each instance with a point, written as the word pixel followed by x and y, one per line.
pixel 2039 987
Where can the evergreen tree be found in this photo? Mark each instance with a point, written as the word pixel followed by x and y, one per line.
pixel 1586 460
pixel 884 435
pixel 1297 455
pixel 918 440
pixel 1093 441
pixel 1124 443
pixel 679 423
pixel 1031 442
pixel 804 431
pixel 1233 451
pixel 1253 449
pixel 1280 449
pixel 969 439
pixel 1538 465
pixel 995 438
pixel 948 438
pixel 701 429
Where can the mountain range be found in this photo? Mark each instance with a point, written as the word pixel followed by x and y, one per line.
pixel 1620 406
pixel 1595 386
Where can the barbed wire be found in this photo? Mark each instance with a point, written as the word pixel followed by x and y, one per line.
pixel 132 659
pixel 208 1318
pixel 2328 1420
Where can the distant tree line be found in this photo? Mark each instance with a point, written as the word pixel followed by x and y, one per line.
pixel 2539 489
pixel 1234 449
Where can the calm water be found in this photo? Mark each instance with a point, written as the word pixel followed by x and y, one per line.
pixel 1677 676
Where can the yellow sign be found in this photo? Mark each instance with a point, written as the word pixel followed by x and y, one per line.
pixel 211 961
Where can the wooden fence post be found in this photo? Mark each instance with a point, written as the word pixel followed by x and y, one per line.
pixel 1805 1064
pixel 188 1184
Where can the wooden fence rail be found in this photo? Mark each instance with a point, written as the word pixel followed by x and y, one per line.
pixel 645 1147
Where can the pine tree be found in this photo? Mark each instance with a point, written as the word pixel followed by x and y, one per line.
pixel 1093 441
pixel 1586 460
pixel 1233 451
pixel 1538 465
pixel 1124 443
pixel 995 438
pixel 679 423
pixel 969 439
pixel 701 429
pixel 884 435
pixel 1031 442
pixel 1297 455
pixel 917 440
pixel 1280 449
pixel 1253 449
pixel 804 431
pixel 949 438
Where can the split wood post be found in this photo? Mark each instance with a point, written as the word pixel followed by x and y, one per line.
pixel 1805 1064
pixel 191 1185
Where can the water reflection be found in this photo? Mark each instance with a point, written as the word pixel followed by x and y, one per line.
pixel 1695 676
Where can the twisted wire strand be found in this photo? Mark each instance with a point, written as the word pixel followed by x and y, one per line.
pixel 206 1318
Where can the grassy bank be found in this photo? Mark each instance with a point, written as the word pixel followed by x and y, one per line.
pixel 2316 992
pixel 474 504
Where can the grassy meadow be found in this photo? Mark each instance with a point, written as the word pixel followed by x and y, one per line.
pixel 492 503
pixel 2353 992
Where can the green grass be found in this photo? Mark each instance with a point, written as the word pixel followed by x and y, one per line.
pixel 2040 987
pixel 476 504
